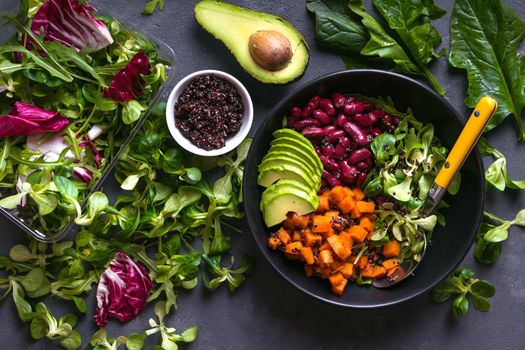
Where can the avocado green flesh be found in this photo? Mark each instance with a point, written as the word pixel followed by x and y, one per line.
pixel 271 173
pixel 287 132
pixel 286 158
pixel 275 210
pixel 283 186
pixel 234 25
pixel 296 147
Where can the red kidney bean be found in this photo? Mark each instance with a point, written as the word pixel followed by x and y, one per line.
pixel 356 133
pixel 314 101
pixel 327 106
pixel 322 116
pixel 296 112
pixel 342 119
pixel 363 120
pixel 361 178
pixel 312 132
pixel 329 129
pixel 341 149
pixel 329 163
pixel 375 132
pixel 390 119
pixel 328 151
pixel 308 110
pixel 376 115
pixel 369 162
pixel 338 100
pixel 348 172
pixel 331 179
pixel 352 107
pixel 362 166
pixel 359 155
pixel 306 123
pixel 335 135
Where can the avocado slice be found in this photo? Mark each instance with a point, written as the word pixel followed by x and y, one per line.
pixel 283 186
pixel 282 200
pixel 287 158
pixel 292 146
pixel 274 171
pixel 287 132
pixel 234 26
pixel 295 154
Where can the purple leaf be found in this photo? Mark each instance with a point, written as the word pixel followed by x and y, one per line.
pixel 82 173
pixel 72 24
pixel 127 84
pixel 25 119
pixel 122 290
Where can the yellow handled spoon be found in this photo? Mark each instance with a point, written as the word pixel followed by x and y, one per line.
pixel 484 110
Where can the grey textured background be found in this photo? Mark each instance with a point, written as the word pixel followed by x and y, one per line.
pixel 267 312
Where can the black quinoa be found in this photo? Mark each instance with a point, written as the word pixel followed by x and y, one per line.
pixel 208 111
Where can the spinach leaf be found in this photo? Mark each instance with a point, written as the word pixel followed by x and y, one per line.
pixel 411 21
pixel 152 5
pixel 485 38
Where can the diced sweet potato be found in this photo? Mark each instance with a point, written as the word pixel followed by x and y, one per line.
pixel 367 224
pixel 337 194
pixel 347 270
pixel 284 236
pixel 324 203
pixel 308 255
pixel 357 233
pixel 365 207
pixel 347 204
pixel 321 223
pixel 293 248
pixel 391 249
pixel 311 239
pixel 358 194
pixel 274 242
pixel 325 258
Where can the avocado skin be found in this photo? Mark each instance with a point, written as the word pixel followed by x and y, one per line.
pixel 208 13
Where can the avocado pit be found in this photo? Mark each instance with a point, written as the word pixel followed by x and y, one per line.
pixel 270 49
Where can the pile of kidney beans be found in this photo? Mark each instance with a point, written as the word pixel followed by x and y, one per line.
pixel 341 129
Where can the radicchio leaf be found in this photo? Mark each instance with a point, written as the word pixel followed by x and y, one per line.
pixel 87 143
pixel 25 120
pixel 122 290
pixel 127 84
pixel 72 24
pixel 82 173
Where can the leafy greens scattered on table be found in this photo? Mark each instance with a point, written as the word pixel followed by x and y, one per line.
pixel 485 38
pixel 460 285
pixel 490 236
pixel 155 222
pixel 497 175
pixel 345 27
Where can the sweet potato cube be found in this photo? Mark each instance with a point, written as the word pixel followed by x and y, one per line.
pixel 324 203
pixel 325 258
pixel 311 239
pixel 357 233
pixel 284 236
pixel 321 223
pixel 293 248
pixel 391 249
pixel 308 255
pixel 367 224
pixel 347 204
pixel 366 207
pixel 347 270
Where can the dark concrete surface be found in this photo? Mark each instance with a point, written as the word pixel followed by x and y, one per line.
pixel 267 312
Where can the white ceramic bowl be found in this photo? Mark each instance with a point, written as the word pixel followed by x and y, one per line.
pixel 232 141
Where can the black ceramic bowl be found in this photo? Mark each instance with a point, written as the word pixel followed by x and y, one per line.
pixel 449 244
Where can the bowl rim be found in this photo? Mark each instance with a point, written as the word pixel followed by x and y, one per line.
pixel 266 252
pixel 232 141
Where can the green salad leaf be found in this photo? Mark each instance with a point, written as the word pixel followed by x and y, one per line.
pixel 462 286
pixel 346 28
pixel 496 174
pixel 485 38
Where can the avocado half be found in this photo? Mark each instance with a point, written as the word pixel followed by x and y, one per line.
pixel 233 25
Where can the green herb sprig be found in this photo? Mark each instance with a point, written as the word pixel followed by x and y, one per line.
pixel 462 286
